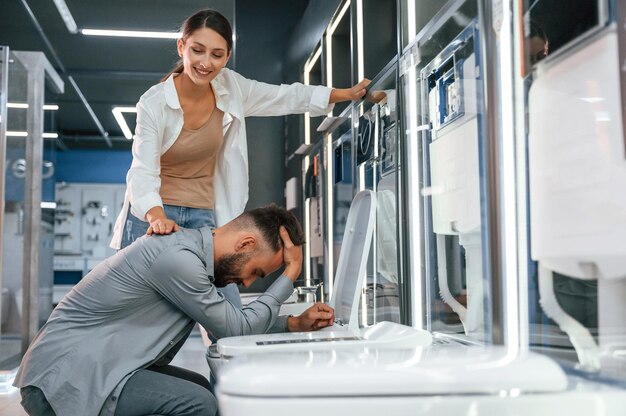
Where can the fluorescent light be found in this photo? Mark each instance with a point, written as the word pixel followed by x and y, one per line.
pixel 329 46
pixel 359 40
pixel 47 107
pixel 329 63
pixel 307 228
pixel 412 26
pixel 307 80
pixel 335 23
pixel 25 134
pixel 66 15
pixel 509 248
pixel 592 100
pixel 125 109
pixel 329 207
pixel 49 205
pixel 17 105
pixel 312 61
pixel 131 33
pixel 415 226
pixel 119 117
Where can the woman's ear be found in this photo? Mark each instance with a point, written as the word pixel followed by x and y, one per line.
pixel 180 44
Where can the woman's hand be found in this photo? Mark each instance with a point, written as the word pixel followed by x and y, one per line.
pixel 355 93
pixel 159 223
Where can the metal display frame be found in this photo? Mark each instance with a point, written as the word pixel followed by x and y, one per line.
pixel 39 70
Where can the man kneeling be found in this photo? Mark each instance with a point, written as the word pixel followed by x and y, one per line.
pixel 106 347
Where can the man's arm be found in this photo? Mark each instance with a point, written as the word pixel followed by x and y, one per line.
pixel 292 256
pixel 316 317
pixel 181 278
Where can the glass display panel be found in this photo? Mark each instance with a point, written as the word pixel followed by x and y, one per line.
pixel 14 217
pixel 574 127
pixel 380 44
pixel 442 80
pixel 343 188
pixel 26 72
pixel 377 168
pixel 340 54
pixel 315 77
pixel 416 15
pixel 551 25
pixel 314 180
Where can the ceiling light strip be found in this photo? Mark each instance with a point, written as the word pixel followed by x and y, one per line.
pixel 61 68
pixel 25 134
pixel 121 121
pixel 66 15
pixel 47 107
pixel 131 33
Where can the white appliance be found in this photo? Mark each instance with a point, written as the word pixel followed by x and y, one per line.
pixel 346 332
pixel 451 90
pixel 439 381
pixel 577 158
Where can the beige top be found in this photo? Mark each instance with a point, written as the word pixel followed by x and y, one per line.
pixel 188 167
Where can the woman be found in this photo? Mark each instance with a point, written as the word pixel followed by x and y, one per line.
pixel 190 161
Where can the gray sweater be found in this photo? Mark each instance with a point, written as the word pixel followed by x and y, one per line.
pixel 133 310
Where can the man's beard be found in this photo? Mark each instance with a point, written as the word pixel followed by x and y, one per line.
pixel 227 269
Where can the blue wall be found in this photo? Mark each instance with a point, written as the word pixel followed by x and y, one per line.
pixel 92 166
pixel 14 186
pixel 83 166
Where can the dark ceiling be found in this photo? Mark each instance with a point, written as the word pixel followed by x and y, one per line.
pixel 112 71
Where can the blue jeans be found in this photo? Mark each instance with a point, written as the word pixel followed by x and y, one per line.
pixel 183 216
pixel 166 390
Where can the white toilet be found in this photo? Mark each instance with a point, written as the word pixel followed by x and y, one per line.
pixel 437 381
pixel 346 332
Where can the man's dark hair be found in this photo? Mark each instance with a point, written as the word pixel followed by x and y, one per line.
pixel 268 220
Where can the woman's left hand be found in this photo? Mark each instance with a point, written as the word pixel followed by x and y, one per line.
pixel 355 93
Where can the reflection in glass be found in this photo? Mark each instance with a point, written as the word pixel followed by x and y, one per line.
pixel 377 169
pixel 576 167
pixel 552 24
pixel 314 216
pixel 342 185
pixel 445 74
pixel 451 94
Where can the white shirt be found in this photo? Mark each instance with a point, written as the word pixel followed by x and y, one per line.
pixel 160 120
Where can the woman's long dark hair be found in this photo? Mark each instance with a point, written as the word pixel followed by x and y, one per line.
pixel 207 18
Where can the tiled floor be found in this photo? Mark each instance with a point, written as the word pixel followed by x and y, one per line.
pixel 191 356
pixel 10 404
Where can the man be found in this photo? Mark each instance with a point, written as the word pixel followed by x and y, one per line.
pixel 106 347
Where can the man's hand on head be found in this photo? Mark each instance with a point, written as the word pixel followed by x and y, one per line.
pixel 292 256
pixel 316 317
